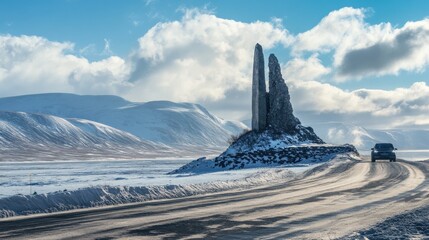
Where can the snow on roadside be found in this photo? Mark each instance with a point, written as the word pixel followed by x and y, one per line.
pixel 112 195
pixel 409 225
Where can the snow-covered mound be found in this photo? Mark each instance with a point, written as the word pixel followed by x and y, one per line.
pixel 174 124
pixel 268 149
pixel 27 136
pixel 110 195
pixel 271 157
pixel 363 138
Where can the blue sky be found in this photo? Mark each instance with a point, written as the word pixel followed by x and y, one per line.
pixel 90 22
pixel 104 47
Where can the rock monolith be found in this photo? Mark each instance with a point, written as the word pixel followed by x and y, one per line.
pixel 259 91
pixel 280 115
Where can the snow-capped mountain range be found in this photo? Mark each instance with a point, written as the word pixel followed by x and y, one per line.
pixel 27 136
pixel 112 126
pixel 111 123
pixel 364 139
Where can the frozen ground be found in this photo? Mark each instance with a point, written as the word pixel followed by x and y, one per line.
pixel 410 225
pixel 43 177
pixel 345 198
pixel 331 201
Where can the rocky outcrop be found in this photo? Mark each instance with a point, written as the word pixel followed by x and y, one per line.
pixel 277 137
pixel 270 157
pixel 259 94
pixel 271 110
pixel 280 116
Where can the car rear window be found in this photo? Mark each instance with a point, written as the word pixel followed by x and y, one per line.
pixel 387 146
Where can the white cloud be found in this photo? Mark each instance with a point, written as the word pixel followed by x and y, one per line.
pixel 31 64
pixel 333 30
pixel 341 31
pixel 199 57
pixel 300 69
pixel 360 49
pixel 391 108
pixel 406 49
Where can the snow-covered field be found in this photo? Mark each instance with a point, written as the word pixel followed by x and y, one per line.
pixel 43 177
pixel 337 199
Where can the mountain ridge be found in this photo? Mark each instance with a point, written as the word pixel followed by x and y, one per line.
pixel 365 138
pixel 26 136
pixel 173 124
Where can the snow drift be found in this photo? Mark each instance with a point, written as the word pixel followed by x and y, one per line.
pixel 108 195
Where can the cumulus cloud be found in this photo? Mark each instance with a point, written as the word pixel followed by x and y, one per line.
pixel 406 49
pixel 360 49
pixel 199 57
pixel 32 64
pixel 300 69
pixel 316 100
pixel 337 28
pixel 400 107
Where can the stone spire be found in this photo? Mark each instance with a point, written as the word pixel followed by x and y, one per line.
pixel 280 115
pixel 259 94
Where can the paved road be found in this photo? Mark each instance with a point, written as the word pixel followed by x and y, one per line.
pixel 325 204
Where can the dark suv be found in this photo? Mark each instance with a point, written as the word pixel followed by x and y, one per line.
pixel 383 151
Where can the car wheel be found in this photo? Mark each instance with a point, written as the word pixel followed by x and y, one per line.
pixel 372 160
pixel 394 159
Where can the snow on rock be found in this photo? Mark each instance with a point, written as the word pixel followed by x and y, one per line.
pixel 268 157
pixel 173 124
pixel 269 148
pixel 108 195
pixel 254 140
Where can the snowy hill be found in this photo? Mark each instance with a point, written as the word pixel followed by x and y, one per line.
pixel 364 139
pixel 183 125
pixel 27 136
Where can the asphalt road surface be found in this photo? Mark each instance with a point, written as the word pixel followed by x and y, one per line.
pixel 328 203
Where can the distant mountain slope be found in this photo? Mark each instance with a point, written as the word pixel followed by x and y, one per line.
pixel 174 124
pixel 363 138
pixel 26 136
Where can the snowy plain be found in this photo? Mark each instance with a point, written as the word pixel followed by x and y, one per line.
pixel 341 197
pixel 50 176
pixel 43 177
